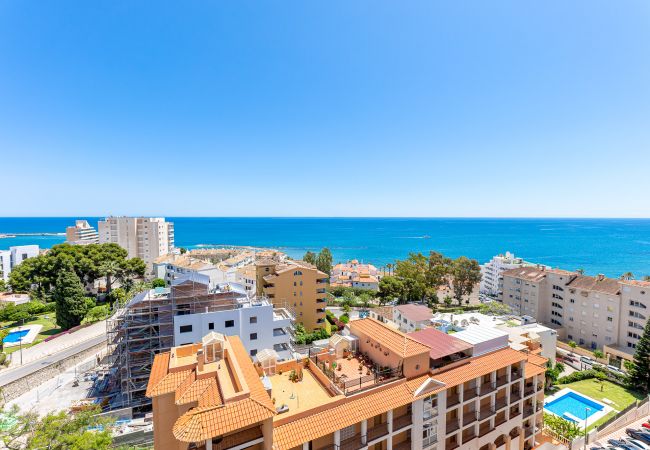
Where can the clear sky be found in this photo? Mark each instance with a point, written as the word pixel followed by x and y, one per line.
pixel 325 108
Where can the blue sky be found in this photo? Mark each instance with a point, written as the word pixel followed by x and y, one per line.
pixel 337 108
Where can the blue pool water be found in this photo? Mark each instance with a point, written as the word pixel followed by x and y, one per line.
pixel 574 404
pixel 15 336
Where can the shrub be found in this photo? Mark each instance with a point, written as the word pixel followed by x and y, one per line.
pixel 3 358
pixel 344 318
pixel 577 376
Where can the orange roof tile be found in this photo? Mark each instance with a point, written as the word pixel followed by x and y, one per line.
pixel 195 391
pixel 159 369
pixel 537 359
pixel 395 340
pixel 531 369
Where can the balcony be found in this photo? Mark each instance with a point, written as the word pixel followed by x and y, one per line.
pixel 484 428
pixel 469 417
pixel 502 380
pixel 515 396
pixel 528 411
pixel 452 425
pixel 514 412
pixel 402 422
pixel 485 413
pixel 487 388
pixel 451 445
pixel 468 434
pixel 515 375
pixel 404 445
pixel 353 443
pixel 469 394
pixel 501 403
pixel 529 390
pixel 500 419
pixel 453 400
pixel 528 432
pixel 377 431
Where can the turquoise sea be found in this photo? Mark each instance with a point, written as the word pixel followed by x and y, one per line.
pixel 609 246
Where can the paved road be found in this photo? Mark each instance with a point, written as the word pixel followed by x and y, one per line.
pixel 13 374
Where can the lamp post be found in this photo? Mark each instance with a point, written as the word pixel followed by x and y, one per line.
pixel 586 418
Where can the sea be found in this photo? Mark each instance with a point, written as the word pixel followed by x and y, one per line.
pixel 608 246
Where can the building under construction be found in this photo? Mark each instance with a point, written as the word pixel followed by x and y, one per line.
pixel 151 322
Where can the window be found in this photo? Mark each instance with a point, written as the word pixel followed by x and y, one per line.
pixel 637 304
pixel 252 319
pixel 211 326
pixel 297 273
pixel 229 323
pixel 572 301
pixel 637 315
pixel 186 329
pixel 253 336
pixel 253 352
pixel 610 319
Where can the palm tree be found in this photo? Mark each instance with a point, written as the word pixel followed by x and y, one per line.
pixel 646 278
pixel 580 271
pixel 627 276
pixel 389 266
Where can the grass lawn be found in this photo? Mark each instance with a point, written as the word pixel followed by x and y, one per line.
pixel 49 329
pixel 621 398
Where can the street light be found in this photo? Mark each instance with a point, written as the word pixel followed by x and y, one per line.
pixel 586 418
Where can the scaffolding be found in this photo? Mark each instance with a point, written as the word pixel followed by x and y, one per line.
pixel 143 327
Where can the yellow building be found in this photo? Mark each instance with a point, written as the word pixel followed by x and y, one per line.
pixel 297 285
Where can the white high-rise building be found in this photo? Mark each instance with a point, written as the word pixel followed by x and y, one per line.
pixel 492 272
pixel 142 237
pixel 9 259
pixel 81 234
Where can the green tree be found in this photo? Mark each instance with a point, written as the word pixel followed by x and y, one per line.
pixel 646 278
pixel 627 276
pixel 310 257
pixel 466 273
pixel 640 370
pixel 390 288
pixel 183 250
pixel 158 282
pixel 448 300
pixel 495 309
pixel 601 377
pixel 324 261
pixel 413 273
pixel 598 354
pixel 69 295
pixel 3 285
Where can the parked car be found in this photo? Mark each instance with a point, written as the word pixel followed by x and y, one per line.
pixel 643 436
pixel 614 369
pixel 638 443
pixel 587 360
pixel 646 425
pixel 621 444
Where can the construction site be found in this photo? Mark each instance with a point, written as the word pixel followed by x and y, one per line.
pixel 143 327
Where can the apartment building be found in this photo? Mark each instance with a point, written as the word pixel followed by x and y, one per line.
pixel 492 272
pixel 170 267
pixel 82 233
pixel 11 258
pixel 412 317
pixel 356 275
pixel 595 312
pixel 156 320
pixel 297 284
pixel 142 237
pixel 381 393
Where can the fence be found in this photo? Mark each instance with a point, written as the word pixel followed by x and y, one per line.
pixel 630 414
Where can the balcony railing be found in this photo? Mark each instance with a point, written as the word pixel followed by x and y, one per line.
pixel 469 417
pixel 515 396
pixel 402 421
pixel 453 400
pixel 469 394
pixel 377 431
pixel 353 443
pixel 452 425
pixel 485 429
pixel 528 410
pixel 501 403
pixel 515 375
pixel 486 412
pixel 468 435
pixel 499 420
pixel 404 445
pixel 486 388
pixel 502 380
pixel 529 390
pixel 451 445
pixel 514 412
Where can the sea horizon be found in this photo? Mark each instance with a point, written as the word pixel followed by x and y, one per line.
pixel 611 246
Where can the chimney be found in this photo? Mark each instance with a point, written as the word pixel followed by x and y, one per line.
pixel 199 360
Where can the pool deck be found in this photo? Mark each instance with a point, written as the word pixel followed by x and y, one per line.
pixel 581 422
pixel 33 331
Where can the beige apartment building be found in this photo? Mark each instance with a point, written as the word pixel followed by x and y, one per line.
pixel 374 388
pixel 595 312
pixel 142 237
pixel 296 285
pixel 81 234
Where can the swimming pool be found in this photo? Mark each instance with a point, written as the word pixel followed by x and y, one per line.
pixel 15 336
pixel 571 405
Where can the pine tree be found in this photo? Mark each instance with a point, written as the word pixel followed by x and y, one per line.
pixel 640 373
pixel 324 261
pixel 69 295
pixel 310 257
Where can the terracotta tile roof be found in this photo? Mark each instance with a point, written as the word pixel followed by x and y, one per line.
pixel 197 389
pixel 440 344
pixel 353 410
pixel 395 340
pixel 597 284
pixel 640 283
pixel 257 390
pixel 530 273
pixel 533 369
pixel 480 366
pixel 161 380
pixel 206 422
pixel 415 313
pixel 159 369
pixel 537 359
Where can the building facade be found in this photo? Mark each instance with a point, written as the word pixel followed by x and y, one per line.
pixel 295 284
pixel 356 275
pixel 212 396
pixel 595 312
pixel 412 317
pixel 492 273
pixel 11 258
pixel 146 238
pixel 81 234
pixel 170 267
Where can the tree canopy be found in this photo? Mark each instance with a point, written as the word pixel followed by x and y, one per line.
pixel 639 374
pixel 70 299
